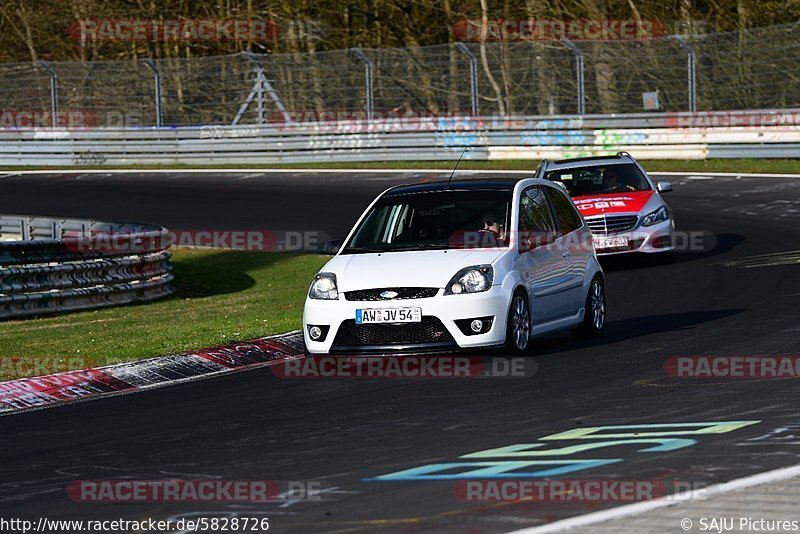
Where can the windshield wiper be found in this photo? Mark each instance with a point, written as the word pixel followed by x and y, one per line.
pixel 402 248
pixel 364 249
pixel 421 246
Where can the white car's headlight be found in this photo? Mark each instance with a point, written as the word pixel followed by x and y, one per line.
pixel 324 287
pixel 471 280
pixel 661 214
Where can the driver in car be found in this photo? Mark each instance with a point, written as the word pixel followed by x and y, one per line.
pixel 612 182
pixel 489 231
pixel 493 223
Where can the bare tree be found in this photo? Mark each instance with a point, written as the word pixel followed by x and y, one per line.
pixel 501 106
pixel 17 16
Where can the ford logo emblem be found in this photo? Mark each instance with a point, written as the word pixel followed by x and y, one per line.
pixel 389 294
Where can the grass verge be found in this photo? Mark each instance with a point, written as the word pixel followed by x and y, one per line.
pixel 221 296
pixel 780 166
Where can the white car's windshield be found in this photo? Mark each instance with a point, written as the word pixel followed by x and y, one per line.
pixel 434 220
pixel 599 179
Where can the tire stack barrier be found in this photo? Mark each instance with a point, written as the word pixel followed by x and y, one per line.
pixel 59 265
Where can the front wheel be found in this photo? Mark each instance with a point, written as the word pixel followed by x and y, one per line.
pixel 594 317
pixel 518 330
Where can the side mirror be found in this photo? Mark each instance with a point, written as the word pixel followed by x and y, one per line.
pixel 664 187
pixel 332 246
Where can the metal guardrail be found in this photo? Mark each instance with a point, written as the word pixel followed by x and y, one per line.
pixel 57 265
pixel 752 133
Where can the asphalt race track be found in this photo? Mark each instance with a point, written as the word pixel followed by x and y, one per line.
pixel 716 301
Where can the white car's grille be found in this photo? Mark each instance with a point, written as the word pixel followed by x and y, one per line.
pixel 427 332
pixel 401 293
pixel 611 224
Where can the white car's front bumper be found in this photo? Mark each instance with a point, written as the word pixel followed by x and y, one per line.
pixel 340 315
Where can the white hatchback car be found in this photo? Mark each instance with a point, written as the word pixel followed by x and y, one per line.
pixel 463 264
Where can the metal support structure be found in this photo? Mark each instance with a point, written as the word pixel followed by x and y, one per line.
pixel 157 93
pixel 257 93
pixel 691 72
pixel 260 95
pixel 53 90
pixel 579 74
pixel 368 73
pixel 473 77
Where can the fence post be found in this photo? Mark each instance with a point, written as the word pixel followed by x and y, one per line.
pixel 578 74
pixel 53 91
pixel 359 54
pixel 157 82
pixel 473 77
pixel 691 72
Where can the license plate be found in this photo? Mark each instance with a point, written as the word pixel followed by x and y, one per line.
pixel 610 242
pixel 389 315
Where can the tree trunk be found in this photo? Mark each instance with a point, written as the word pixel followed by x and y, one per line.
pixel 501 106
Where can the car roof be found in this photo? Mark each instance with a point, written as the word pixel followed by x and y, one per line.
pixel 619 159
pixel 498 184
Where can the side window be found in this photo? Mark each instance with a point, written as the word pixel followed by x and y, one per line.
pixel 534 212
pixel 568 218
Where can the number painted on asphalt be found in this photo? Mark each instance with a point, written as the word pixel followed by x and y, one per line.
pixel 655 435
pixel 501 469
pixel 522 450
pixel 658 429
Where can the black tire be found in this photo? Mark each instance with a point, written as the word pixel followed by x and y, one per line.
pixel 518 324
pixel 594 317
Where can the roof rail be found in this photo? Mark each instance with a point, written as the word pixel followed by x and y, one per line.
pixel 588 158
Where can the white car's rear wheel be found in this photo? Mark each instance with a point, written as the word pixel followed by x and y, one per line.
pixel 594 320
pixel 518 330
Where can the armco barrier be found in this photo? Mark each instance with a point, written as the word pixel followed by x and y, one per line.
pixel 752 133
pixel 56 265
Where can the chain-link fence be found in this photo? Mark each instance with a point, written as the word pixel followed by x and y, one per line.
pixel 753 69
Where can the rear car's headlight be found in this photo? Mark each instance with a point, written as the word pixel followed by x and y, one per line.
pixel 324 287
pixel 471 280
pixel 661 214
